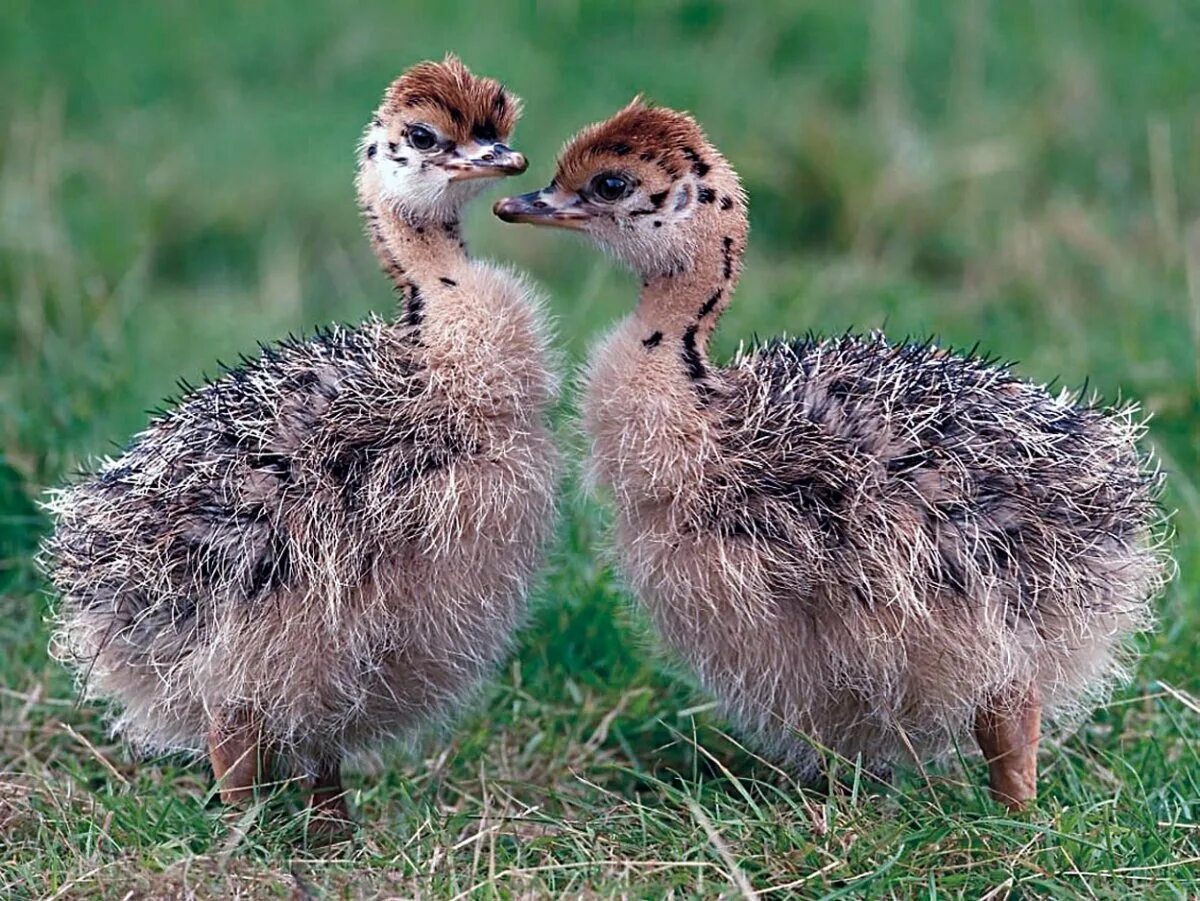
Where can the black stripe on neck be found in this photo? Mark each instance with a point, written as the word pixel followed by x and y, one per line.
pixel 727 254
pixel 696 369
pixel 710 304
pixel 691 355
pixel 414 309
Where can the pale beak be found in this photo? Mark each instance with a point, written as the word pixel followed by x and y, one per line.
pixel 545 207
pixel 485 161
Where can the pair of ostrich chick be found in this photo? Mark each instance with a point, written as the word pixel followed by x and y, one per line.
pixel 877 548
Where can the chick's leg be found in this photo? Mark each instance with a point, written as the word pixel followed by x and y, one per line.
pixel 1007 731
pixel 238 754
pixel 329 813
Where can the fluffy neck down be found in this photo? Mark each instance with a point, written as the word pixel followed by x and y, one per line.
pixel 420 256
pixel 649 384
pixel 679 308
pixel 478 330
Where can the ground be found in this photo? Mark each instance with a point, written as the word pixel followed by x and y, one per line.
pixel 175 184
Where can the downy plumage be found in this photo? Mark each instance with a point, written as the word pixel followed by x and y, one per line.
pixel 330 545
pixel 880 547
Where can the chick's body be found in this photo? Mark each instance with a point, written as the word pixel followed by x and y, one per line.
pixel 865 543
pixel 332 542
pixel 338 535
pixel 878 547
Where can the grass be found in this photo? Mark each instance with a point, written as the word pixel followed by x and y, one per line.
pixel 175 185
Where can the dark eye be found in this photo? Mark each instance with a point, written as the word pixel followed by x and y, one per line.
pixel 610 187
pixel 421 137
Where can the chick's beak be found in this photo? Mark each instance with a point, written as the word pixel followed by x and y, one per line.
pixel 545 207
pixel 485 160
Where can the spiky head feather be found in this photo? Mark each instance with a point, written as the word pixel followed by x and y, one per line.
pixel 462 105
pixel 637 134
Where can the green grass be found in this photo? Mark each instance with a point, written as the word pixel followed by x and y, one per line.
pixel 175 184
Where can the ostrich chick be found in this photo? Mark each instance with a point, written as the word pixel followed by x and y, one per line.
pixel 878 547
pixel 330 546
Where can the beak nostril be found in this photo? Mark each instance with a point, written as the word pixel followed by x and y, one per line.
pixel 488 157
pixel 534 208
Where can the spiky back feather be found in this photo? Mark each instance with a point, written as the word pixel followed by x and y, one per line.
pixel 862 542
pixel 335 534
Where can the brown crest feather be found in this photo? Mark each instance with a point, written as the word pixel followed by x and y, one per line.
pixel 461 105
pixel 639 134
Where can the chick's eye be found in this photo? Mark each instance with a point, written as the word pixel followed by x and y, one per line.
pixel 610 187
pixel 421 137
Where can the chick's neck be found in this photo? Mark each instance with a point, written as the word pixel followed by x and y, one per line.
pixel 679 309
pixel 421 257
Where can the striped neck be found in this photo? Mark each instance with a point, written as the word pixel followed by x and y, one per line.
pixel 412 254
pixel 678 311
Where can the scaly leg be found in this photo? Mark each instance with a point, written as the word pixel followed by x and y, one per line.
pixel 1008 732
pixel 238 754
pixel 329 815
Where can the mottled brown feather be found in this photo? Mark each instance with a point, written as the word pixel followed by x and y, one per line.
pixel 461 105
pixel 880 547
pixel 333 541
pixel 637 135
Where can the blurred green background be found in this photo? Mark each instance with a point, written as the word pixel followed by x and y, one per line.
pixel 175 185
